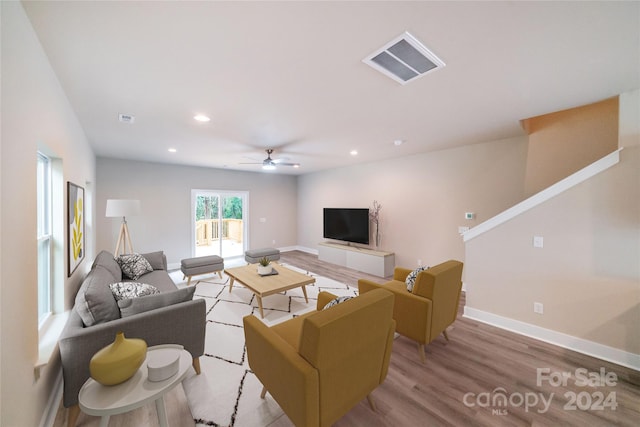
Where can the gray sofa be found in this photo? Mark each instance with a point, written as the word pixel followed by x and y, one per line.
pixel 170 317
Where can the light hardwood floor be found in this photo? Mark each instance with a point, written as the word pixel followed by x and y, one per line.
pixel 479 361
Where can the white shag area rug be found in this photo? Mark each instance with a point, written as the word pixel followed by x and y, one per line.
pixel 227 393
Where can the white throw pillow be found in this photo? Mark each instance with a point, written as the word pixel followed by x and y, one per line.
pixel 336 301
pixel 134 265
pixel 126 290
pixel 411 278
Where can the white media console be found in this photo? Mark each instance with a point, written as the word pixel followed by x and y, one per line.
pixel 369 261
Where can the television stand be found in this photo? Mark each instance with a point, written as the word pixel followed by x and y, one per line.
pixel 378 263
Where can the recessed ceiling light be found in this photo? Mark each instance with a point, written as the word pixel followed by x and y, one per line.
pixel 398 142
pixel 172 150
pixel 354 152
pixel 201 118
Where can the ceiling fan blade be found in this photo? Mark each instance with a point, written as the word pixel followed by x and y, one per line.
pixel 250 163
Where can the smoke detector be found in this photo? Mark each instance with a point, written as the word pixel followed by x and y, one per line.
pixel 404 59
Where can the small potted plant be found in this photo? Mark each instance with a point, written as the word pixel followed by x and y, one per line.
pixel 264 266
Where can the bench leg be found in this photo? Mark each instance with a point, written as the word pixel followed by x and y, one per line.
pixel 189 281
pixel 196 365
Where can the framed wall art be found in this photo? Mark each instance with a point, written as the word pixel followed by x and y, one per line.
pixel 75 225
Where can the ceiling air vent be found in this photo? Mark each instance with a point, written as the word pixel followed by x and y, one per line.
pixel 404 59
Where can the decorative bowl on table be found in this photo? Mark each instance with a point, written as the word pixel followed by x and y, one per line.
pixel 163 362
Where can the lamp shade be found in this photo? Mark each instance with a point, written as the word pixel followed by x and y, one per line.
pixel 122 207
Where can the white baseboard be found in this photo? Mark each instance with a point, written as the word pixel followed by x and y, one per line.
pixel 590 348
pixel 51 410
pixel 301 249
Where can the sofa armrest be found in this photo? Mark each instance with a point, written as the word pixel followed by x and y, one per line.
pixel 288 377
pixel 323 299
pixel 182 323
pixel 401 273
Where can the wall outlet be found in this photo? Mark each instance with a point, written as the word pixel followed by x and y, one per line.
pixel 273 242
pixel 538 307
pixel 462 229
pixel 263 219
pixel 419 263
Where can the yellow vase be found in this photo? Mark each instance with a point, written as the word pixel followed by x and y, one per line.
pixel 118 361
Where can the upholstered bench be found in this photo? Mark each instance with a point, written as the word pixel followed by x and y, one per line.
pixel 201 265
pixel 254 255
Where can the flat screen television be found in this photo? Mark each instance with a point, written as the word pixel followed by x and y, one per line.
pixel 346 224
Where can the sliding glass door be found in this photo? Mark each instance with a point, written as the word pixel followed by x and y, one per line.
pixel 219 223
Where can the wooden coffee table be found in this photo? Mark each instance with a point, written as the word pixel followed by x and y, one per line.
pixel 263 286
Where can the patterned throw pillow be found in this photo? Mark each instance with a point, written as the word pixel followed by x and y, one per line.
pixel 336 301
pixel 133 265
pixel 411 278
pixel 126 290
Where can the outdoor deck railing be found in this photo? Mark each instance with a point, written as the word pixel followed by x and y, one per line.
pixel 208 230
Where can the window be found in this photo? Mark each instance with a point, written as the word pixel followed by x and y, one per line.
pixel 44 237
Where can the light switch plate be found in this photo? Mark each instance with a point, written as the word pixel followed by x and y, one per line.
pixel 538 241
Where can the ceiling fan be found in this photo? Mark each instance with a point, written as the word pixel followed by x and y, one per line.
pixel 270 164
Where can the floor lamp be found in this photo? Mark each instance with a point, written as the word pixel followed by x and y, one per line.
pixel 123 208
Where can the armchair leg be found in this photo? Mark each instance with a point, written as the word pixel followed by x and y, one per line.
pixel 445 335
pixel 423 358
pixel 264 392
pixel 72 415
pixel 371 403
pixel 196 365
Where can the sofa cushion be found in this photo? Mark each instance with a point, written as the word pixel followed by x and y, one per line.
pixel 105 259
pixel 156 260
pixel 336 301
pixel 133 265
pixel 129 307
pixel 411 278
pixel 94 301
pixel 160 279
pixel 125 290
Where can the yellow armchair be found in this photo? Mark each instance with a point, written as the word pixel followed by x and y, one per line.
pixel 430 308
pixel 319 365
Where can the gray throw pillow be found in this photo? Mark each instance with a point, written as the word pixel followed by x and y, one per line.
pixel 94 301
pixel 129 307
pixel 336 301
pixel 124 290
pixel 134 265
pixel 411 278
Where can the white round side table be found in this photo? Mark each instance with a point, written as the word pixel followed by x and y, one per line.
pixel 137 391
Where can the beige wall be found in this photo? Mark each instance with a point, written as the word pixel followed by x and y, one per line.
pixel 424 197
pixel 564 142
pixel 165 195
pixel 35 114
pixel 586 275
pixel 629 128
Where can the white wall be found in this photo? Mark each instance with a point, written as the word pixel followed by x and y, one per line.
pixel 587 275
pixel 35 114
pixel 424 197
pixel 165 195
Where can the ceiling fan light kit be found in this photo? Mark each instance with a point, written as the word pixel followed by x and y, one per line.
pixel 270 164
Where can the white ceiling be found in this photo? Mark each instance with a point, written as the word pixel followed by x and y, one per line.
pixel 289 75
